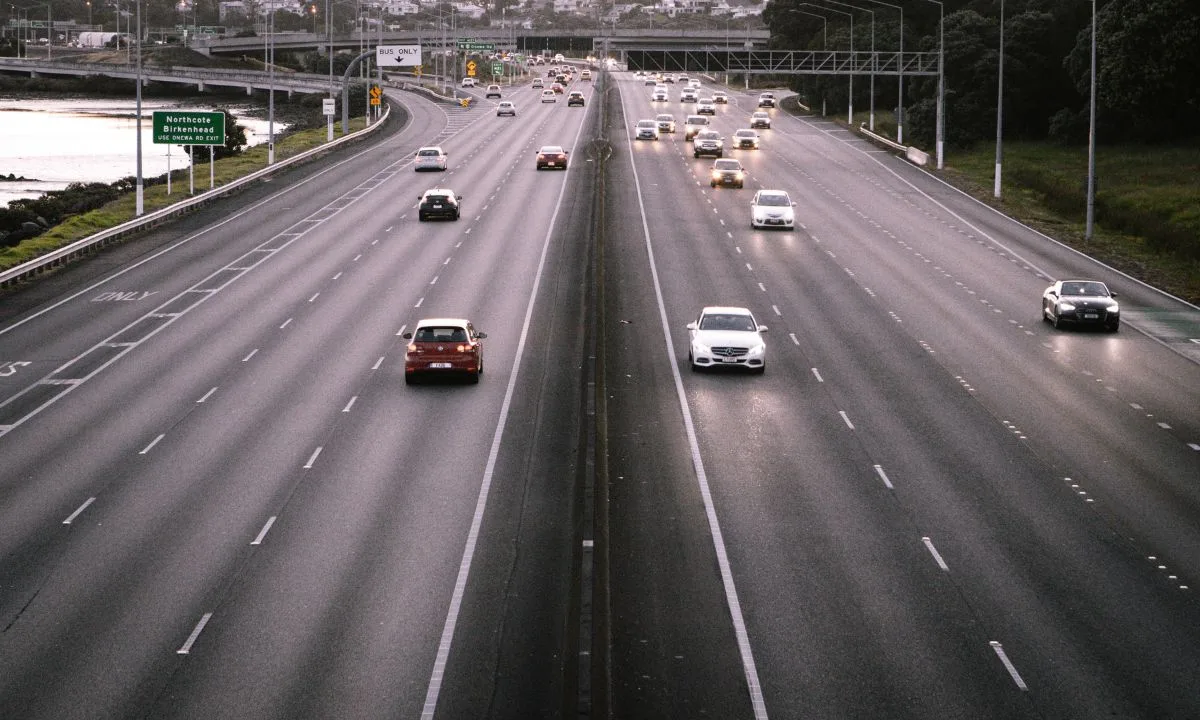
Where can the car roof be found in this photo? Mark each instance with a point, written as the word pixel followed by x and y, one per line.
pixel 432 322
pixel 430 147
pixel 724 310
pixel 745 131
pixel 439 191
pixel 551 148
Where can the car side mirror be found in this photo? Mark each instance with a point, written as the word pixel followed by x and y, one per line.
pixel 692 326
pixel 762 328
pixel 1111 294
pixel 407 336
pixel 481 335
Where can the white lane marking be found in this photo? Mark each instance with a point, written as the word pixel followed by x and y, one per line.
pixel 936 555
pixel 263 533
pixel 817 374
pixel 187 646
pixel 401 330
pixel 312 458
pixel 78 511
pixel 338 276
pixel 739 249
pixel 1012 670
pixel 846 418
pixel 285 323
pixel 153 442
pixel 883 476
pixel 377 363
pixel 1194 446
pixel 434 280
pixel 207 395
pixel 356 257
pixel 464 567
pixel 447 262
pixel 252 354
pixel 731 596
pixel 762 287
pixel 1164 426
pixel 776 309
pixel 350 404
pixel 314 297
pixel 419 302
pixel 795 340
pixel 749 268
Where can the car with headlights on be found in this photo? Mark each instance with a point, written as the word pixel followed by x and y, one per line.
pixel 585 74
pixel 708 142
pixel 575 97
pixel 727 337
pixel 552 157
pixel 506 107
pixel 688 95
pixel 727 172
pixel 445 347
pixel 659 95
pixel 439 203
pixel 1081 303
pixel 760 120
pixel 538 83
pixel 666 122
pixel 745 139
pixel 694 124
pixel 493 91
pixel 772 208
pixel 720 97
pixel 650 80
pixel 430 158
pixel 646 130
pixel 766 100
pixel 706 107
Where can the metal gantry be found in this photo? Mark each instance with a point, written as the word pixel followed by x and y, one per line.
pixel 800 62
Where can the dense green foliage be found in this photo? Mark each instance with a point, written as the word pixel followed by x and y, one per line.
pixel 1148 55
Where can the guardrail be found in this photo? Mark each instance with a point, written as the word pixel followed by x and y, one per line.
pixel 92 243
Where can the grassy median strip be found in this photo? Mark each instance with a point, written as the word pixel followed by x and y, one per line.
pixel 154 197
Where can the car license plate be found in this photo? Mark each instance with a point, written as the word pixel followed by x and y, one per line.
pixel 437 207
pixel 440 366
pixel 1091 316
pixel 729 360
pixel 550 164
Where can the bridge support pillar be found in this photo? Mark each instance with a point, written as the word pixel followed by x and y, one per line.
pixel 200 86
pixel 249 89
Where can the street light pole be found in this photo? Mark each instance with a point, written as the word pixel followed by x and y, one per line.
pixel 1000 107
pixel 900 72
pixel 139 209
pixel 852 65
pixel 941 91
pixel 329 50
pixel 1091 186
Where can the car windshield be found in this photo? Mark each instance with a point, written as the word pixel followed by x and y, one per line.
pixel 727 165
pixel 708 135
pixel 429 153
pixel 645 123
pixel 745 133
pixel 437 198
pixel 1095 289
pixel 441 334
pixel 551 150
pixel 722 321
pixel 665 118
pixel 774 199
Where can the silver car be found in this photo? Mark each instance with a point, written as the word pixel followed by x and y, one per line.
pixel 430 158
pixel 646 130
pixel 727 337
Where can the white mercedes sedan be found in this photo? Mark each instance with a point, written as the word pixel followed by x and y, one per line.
pixel 727 337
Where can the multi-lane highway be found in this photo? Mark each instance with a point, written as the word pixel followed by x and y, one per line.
pixel 218 498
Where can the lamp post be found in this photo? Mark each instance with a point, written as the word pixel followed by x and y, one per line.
pixel 941 91
pixel 824 43
pixel 852 66
pixel 850 108
pixel 999 106
pixel 329 50
pixel 900 72
pixel 139 206
pixel 1091 186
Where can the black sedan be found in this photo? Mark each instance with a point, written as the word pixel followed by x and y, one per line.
pixel 439 203
pixel 1082 303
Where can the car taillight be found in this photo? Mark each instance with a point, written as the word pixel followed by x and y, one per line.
pixel 466 348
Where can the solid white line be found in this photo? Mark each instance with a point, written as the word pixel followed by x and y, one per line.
pixel 263 533
pixel 464 566
pixel 731 596
pixel 207 395
pixel 936 555
pixel 349 404
pixel 1012 670
pixel 151 445
pixel 82 507
pixel 187 646
pixel 883 476
pixel 846 418
pixel 313 458
pixel 252 354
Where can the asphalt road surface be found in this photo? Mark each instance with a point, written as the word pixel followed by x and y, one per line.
pixel 218 498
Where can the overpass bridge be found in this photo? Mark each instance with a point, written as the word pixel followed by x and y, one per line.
pixel 202 78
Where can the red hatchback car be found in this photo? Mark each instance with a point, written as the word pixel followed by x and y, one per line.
pixel 445 347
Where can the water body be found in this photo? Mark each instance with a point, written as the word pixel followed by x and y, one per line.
pixel 55 142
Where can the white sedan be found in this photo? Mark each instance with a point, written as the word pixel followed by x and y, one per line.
pixel 772 208
pixel 727 337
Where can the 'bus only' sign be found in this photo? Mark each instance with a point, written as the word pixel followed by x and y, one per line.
pixel 189 127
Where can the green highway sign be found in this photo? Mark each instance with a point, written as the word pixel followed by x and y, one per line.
pixel 189 127
pixel 497 68
pixel 472 46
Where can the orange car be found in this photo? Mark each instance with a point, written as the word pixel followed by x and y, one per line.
pixel 443 347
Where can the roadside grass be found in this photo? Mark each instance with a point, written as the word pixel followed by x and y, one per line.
pixel 155 196
pixel 1147 206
